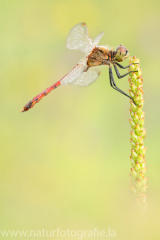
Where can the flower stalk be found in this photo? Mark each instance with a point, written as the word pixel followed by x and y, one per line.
pixel 138 171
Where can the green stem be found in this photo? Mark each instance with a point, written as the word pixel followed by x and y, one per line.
pixel 138 133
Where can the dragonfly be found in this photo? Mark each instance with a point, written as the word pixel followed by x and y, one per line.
pixel 88 69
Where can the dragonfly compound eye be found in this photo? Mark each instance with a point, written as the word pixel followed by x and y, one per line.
pixel 121 53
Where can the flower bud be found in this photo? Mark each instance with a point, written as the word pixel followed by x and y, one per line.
pixel 133 106
pixel 133 87
pixel 137 147
pixel 139 183
pixel 132 161
pixel 143 115
pixel 139 73
pixel 144 170
pixel 133 172
pixel 132 123
pixel 140 158
pixel 143 151
pixel 137 98
pixel 134 155
pixel 135 60
pixel 139 90
pixel 137 129
pixel 134 77
pixel 143 133
pixel 141 102
pixel 144 181
pixel 141 121
pixel 131 94
pixel 137 166
pixel 134 137
pixel 139 110
pixel 138 81
pixel 135 118
pixel 140 139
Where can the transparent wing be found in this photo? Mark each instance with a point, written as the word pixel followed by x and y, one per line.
pixel 98 38
pixel 78 39
pixel 75 72
pixel 86 78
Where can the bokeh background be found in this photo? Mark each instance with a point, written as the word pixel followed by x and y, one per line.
pixel 65 163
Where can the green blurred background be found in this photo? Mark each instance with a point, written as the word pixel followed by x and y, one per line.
pixel 65 163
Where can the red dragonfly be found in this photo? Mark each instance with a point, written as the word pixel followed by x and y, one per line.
pixel 87 70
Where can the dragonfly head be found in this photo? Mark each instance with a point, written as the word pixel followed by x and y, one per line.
pixel 121 53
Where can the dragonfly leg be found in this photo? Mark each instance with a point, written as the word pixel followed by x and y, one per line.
pixel 119 65
pixel 119 75
pixel 113 85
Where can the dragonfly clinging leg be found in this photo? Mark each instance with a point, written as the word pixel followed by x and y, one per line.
pixel 113 84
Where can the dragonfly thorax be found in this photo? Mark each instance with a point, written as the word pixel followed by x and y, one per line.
pixel 100 56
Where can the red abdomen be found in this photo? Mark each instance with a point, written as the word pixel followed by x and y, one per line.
pixel 36 99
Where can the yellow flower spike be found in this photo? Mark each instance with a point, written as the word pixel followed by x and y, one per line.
pixel 138 179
